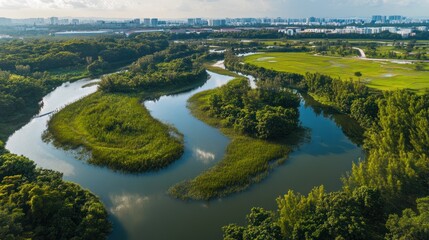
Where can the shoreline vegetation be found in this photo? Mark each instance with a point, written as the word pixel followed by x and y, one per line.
pixel 116 131
pixel 248 159
pixel 379 197
pixel 114 128
pixel 31 68
pixel 380 194
pixel 378 75
pixel 33 201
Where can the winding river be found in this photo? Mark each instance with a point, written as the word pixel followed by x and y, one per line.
pixel 138 204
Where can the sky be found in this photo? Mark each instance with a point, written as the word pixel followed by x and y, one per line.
pixel 172 9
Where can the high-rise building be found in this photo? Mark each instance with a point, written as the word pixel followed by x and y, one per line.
pixel 75 21
pixel 191 21
pixel 379 19
pixel 146 21
pixel 154 22
pixel 395 18
pixel 54 20
pixel 217 22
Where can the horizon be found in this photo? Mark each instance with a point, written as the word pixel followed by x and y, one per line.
pixel 169 9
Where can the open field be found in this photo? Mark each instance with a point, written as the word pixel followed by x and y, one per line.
pixel 383 75
pixel 118 132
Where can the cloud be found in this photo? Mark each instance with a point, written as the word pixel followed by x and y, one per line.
pixel 128 205
pixel 68 4
pixel 203 156
pixel 212 8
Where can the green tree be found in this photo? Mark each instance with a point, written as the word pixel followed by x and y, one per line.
pixel 261 225
pixel 411 225
pixel 358 74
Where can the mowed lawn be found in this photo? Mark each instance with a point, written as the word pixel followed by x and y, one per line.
pixel 378 74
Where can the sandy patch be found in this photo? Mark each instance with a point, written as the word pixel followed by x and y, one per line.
pixel 388 75
pixel 262 59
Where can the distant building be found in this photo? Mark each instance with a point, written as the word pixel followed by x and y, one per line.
pixel 154 22
pixel 290 31
pixel 217 22
pixel 146 21
pixel 266 21
pixel 195 22
pixel 53 21
pixel 191 21
pixel 379 19
pixel 136 21
pixel 389 29
pixel 75 21
pixel 394 18
pixel 422 28
pixel 63 22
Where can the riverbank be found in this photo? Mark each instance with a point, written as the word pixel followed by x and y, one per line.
pixel 247 160
pixel 117 132
pixel 138 205
pixel 12 122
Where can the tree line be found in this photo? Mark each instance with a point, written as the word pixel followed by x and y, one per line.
pixel 348 96
pixel 29 69
pixel 38 55
pixel 265 113
pixel 178 65
pixel 384 196
pixel 37 204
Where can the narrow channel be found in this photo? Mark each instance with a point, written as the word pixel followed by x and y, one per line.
pixel 138 204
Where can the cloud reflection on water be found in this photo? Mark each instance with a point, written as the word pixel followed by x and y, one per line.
pixel 129 209
pixel 204 156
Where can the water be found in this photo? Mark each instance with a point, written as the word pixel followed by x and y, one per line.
pixel 138 204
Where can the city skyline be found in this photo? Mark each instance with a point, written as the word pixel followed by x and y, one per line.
pixel 171 9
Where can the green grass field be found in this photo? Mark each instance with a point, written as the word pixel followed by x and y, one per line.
pixel 377 74
pixel 118 132
pixel 247 160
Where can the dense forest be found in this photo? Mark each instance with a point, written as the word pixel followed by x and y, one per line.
pixel 37 204
pixel 384 196
pixel 178 65
pixel 29 69
pixel 267 112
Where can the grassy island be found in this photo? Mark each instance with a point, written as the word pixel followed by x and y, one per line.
pixel 251 154
pixel 113 125
pixel 118 131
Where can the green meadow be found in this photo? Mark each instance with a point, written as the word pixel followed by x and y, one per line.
pixel 383 75
pixel 117 132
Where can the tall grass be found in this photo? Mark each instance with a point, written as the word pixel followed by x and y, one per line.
pixel 118 132
pixel 246 161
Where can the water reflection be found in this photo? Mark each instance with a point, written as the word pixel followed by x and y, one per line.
pixel 204 156
pixel 138 204
pixel 348 125
pixel 129 209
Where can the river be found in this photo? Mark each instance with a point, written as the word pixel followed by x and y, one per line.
pixel 138 204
